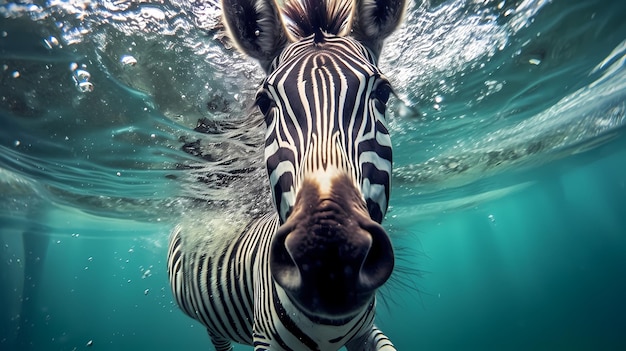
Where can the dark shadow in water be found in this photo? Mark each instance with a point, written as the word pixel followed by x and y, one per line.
pixel 24 258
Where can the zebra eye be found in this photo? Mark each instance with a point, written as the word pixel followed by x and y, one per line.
pixel 382 92
pixel 264 102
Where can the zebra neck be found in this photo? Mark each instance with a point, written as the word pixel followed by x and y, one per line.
pixel 325 332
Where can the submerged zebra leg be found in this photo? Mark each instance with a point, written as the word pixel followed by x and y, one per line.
pixel 374 341
pixel 220 344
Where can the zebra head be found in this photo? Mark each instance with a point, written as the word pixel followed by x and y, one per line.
pixel 327 149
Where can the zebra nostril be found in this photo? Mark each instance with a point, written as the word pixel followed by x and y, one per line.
pixel 282 266
pixel 378 264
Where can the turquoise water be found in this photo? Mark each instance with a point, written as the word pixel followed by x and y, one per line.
pixel 509 199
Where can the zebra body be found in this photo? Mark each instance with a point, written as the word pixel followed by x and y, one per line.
pixel 230 297
pixel 304 276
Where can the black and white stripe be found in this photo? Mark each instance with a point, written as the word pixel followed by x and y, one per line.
pixel 225 285
pixel 324 105
pixel 327 109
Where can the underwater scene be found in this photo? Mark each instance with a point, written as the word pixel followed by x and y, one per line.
pixel 119 119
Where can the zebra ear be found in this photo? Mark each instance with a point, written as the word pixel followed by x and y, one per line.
pixel 375 20
pixel 256 28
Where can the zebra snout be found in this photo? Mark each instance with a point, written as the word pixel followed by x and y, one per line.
pixel 331 258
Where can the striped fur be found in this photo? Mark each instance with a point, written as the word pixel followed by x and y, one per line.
pixel 308 17
pixel 358 144
pixel 326 145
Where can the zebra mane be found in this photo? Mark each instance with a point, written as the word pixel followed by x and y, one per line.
pixel 308 17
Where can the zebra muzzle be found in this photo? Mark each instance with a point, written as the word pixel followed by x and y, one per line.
pixel 330 256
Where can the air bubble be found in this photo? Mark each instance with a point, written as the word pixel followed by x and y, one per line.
pixel 51 42
pixel 85 87
pixel 128 60
pixel 81 78
pixel 81 74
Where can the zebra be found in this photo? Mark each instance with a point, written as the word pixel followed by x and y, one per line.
pixel 304 275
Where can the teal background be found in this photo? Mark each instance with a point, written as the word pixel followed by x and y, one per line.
pixel 508 210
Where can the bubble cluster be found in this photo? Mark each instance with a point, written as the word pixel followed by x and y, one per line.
pixel 81 77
